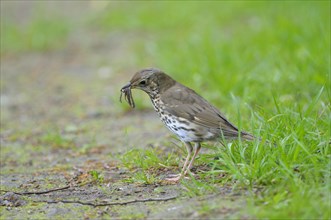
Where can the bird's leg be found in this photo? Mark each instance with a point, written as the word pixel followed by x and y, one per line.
pixel 197 148
pixel 182 173
pixel 189 152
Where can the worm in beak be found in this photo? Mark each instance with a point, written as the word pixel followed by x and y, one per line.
pixel 126 90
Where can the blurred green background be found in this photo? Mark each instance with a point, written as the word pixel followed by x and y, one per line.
pixel 273 47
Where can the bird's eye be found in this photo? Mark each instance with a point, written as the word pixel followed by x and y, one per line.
pixel 142 83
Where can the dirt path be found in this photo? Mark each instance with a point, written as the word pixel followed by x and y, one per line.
pixel 61 120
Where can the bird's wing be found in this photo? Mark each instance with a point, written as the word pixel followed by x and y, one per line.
pixel 186 103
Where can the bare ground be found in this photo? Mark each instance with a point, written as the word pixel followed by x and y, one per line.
pixel 61 119
pixel 58 124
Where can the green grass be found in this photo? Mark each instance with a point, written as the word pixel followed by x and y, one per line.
pixel 57 140
pixel 267 66
pixel 147 164
pixel 96 176
pixel 39 35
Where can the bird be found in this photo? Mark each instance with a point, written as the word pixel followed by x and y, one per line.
pixel 184 112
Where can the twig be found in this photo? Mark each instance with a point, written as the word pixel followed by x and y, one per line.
pixel 88 203
pixel 39 192
pixel 111 203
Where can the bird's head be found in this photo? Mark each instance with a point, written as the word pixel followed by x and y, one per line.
pixel 150 80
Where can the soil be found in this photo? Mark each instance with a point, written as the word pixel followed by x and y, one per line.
pixel 61 119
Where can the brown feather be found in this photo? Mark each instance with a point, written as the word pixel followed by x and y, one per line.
pixel 186 103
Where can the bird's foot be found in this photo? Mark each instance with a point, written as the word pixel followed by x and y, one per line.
pixel 189 173
pixel 174 175
pixel 175 178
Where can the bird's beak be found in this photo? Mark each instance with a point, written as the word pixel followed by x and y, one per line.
pixel 127 86
pixel 126 90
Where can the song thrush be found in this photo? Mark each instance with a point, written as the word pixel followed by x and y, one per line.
pixel 184 112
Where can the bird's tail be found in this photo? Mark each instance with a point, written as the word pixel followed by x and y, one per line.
pixel 248 136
